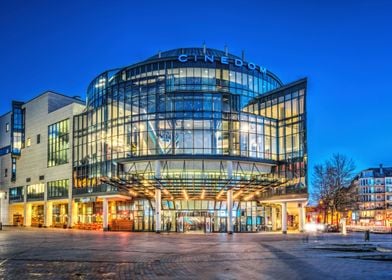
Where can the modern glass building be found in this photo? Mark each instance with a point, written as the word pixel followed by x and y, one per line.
pixel 191 139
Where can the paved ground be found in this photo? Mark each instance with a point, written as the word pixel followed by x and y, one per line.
pixel 76 254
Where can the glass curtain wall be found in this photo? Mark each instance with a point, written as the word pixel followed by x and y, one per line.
pixel 58 143
pixel 163 109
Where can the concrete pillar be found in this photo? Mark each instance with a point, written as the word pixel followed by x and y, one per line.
pixel 284 217
pixel 25 206
pixel 301 217
pixel 230 211
pixel 105 214
pixel 27 214
pixel 48 213
pixel 229 199
pixel 70 208
pixel 4 208
pixel 73 215
pixel 343 225
pixel 158 200
pixel 273 218
pixel 45 206
pixel 84 214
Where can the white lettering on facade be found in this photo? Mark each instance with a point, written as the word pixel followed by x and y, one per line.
pixel 224 60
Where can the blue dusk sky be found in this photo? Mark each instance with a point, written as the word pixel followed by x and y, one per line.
pixel 343 47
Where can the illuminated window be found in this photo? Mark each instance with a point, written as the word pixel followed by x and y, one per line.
pixel 28 142
pixel 36 191
pixel 58 188
pixel 7 127
pixel 58 143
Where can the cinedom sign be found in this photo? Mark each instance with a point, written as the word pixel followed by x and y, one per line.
pixel 224 60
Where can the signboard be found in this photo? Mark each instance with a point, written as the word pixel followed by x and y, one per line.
pixel 223 59
pixel 86 199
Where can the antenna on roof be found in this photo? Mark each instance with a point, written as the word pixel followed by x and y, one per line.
pixel 243 54
pixel 204 47
pixel 226 50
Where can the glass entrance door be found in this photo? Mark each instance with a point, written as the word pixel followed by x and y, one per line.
pixel 194 224
pixel 193 221
pixel 222 224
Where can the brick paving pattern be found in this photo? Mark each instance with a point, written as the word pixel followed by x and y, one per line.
pixel 76 254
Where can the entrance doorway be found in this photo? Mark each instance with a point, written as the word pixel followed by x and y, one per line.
pixel 17 220
pixel 194 224
pixel 194 221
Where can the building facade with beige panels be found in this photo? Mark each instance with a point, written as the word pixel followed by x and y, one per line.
pixel 36 191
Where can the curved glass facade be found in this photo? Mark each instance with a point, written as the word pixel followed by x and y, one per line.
pixel 172 108
pixel 189 118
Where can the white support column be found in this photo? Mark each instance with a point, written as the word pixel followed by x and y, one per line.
pixel 301 217
pixel 158 210
pixel 273 218
pixel 48 210
pixel 45 206
pixel 229 199
pixel 158 198
pixel 4 208
pixel 74 214
pixel 284 217
pixel 27 211
pixel 230 211
pixel 70 206
pixel 25 206
pixel 105 214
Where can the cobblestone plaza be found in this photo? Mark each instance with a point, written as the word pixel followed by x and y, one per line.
pixel 75 254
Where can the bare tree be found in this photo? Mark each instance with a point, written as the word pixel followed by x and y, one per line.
pixel 330 182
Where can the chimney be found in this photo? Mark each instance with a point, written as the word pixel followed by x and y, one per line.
pixel 159 54
pixel 243 55
pixel 381 170
pixel 226 50
pixel 204 48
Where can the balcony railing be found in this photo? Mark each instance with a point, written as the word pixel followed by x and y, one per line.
pixel 35 196
pixel 16 198
pixel 283 191
pixel 63 195
pixel 97 189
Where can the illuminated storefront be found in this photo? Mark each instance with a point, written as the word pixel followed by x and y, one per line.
pixel 191 140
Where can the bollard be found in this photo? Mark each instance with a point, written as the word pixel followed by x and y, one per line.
pixel 367 235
